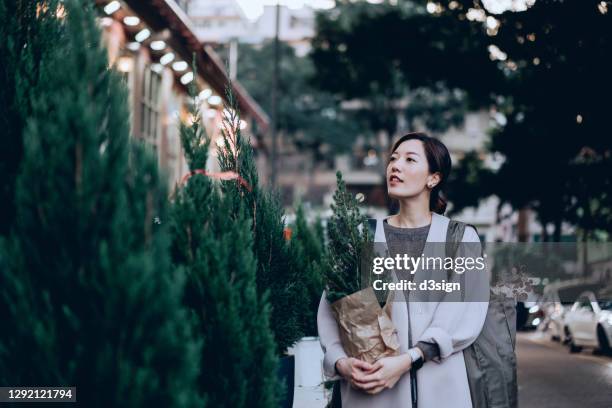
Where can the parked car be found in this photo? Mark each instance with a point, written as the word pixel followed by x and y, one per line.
pixel 557 299
pixel 589 322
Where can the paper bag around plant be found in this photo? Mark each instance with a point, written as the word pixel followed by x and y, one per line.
pixel 366 329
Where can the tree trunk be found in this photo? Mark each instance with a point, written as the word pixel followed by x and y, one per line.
pixel 557 231
pixel 523 224
pixel 545 237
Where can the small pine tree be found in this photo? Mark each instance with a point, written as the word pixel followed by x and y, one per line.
pixel 275 276
pixel 308 254
pixel 215 247
pixel 88 289
pixel 347 233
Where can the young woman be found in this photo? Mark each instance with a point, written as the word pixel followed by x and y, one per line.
pixel 417 172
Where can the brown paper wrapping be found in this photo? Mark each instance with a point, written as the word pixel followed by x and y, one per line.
pixel 366 329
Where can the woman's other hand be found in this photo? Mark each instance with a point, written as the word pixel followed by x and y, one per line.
pixel 385 373
pixel 353 369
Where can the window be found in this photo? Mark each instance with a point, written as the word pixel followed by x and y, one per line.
pixel 585 304
pixel 149 120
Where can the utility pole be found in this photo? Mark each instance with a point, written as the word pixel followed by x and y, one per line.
pixel 275 75
pixel 233 59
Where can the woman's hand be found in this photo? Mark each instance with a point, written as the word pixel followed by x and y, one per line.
pixel 353 370
pixel 385 373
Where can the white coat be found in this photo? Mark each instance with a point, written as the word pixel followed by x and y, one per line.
pixel 452 325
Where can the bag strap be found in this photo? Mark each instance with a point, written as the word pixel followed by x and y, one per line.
pixel 454 236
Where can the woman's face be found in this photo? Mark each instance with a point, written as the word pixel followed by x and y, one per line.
pixel 408 170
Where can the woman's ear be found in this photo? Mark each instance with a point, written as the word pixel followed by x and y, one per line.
pixel 433 180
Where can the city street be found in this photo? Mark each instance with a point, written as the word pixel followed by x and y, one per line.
pixel 549 376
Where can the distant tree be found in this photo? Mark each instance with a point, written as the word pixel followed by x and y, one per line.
pixel 384 53
pixel 543 69
pixel 309 117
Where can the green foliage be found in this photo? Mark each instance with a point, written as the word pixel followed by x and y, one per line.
pixel 275 276
pixel 469 182
pixel 309 117
pixel 215 246
pixel 348 233
pixel 307 249
pixel 552 87
pixel 426 60
pixel 29 35
pixel 88 289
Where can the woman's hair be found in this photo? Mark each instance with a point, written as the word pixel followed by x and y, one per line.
pixel 438 160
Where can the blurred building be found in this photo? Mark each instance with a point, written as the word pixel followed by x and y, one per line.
pixel 153 44
pixel 296 27
pixel 219 21
pixel 223 21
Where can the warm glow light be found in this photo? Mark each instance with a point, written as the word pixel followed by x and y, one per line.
pixel 167 58
pixel 187 78
pixel 143 35
pixel 531 37
pixel 214 100
pixel 111 7
pixel 205 94
pixel 243 124
pixel 125 64
pixel 133 46
pixel 106 21
pixel 579 119
pixel 179 66
pixel 220 142
pixel 131 21
pixel 536 61
pixel 158 45
pixel 453 5
pixel 157 68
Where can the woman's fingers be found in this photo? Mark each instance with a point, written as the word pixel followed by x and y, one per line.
pixel 376 366
pixel 362 365
pixel 371 377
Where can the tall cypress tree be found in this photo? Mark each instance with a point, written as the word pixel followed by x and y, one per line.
pixel 308 254
pixel 29 34
pixel 215 246
pixel 87 285
pixel 276 277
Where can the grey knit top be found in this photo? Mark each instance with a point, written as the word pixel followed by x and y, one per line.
pixel 410 241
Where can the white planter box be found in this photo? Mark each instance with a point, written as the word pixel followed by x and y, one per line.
pixel 308 362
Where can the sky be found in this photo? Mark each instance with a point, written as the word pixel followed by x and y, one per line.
pixel 254 8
